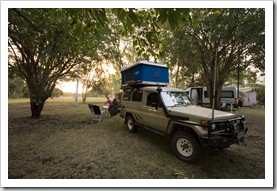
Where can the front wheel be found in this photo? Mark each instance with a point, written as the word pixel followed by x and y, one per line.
pixel 185 146
pixel 131 124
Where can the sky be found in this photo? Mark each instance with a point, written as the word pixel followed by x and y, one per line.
pixel 69 87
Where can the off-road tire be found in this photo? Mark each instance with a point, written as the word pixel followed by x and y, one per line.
pixel 130 122
pixel 186 146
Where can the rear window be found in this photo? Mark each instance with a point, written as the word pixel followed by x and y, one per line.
pixel 137 96
pixel 127 96
pixel 224 94
pixel 206 95
pixel 227 94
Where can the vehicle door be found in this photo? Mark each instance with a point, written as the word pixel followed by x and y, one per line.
pixel 153 115
pixel 206 98
pixel 197 96
pixel 134 106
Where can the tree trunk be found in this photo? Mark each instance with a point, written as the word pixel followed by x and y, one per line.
pixel 84 97
pixel 38 96
pixel 218 88
pixel 36 108
pixel 216 98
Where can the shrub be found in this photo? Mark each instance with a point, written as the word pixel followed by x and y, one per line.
pixel 261 95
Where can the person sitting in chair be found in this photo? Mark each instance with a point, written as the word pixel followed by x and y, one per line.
pixel 223 105
pixel 113 108
pixel 108 102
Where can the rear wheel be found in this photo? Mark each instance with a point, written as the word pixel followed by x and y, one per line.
pixel 131 124
pixel 186 147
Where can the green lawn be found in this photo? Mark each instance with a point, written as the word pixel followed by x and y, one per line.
pixel 66 99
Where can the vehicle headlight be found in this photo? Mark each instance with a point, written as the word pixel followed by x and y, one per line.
pixel 242 125
pixel 236 127
pixel 213 126
pixel 204 123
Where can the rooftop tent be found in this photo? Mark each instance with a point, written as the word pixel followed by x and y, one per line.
pixel 145 73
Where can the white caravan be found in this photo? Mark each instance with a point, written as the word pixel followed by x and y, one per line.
pixel 200 96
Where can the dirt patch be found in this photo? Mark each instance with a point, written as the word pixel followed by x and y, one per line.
pixel 64 143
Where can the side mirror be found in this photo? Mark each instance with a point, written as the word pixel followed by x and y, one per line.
pixel 159 89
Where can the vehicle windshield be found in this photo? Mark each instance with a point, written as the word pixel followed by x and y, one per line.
pixel 172 99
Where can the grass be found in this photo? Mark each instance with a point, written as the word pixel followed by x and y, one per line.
pixel 64 143
pixel 66 99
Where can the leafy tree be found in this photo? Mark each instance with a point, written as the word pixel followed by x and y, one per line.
pixel 228 37
pixel 246 77
pixel 143 26
pixel 182 59
pixel 47 43
pixel 94 76
pixel 56 92
pixel 94 72
pixel 260 90
pixel 17 88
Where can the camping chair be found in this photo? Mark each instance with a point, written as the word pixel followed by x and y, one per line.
pixel 98 114
pixel 91 108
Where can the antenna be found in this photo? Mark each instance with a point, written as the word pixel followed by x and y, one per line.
pixel 215 65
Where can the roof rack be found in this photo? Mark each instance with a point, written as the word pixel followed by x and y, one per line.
pixel 136 84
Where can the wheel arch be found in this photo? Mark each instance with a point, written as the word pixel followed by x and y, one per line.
pixel 126 117
pixel 179 127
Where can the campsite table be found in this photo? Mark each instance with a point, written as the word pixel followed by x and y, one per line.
pixel 105 108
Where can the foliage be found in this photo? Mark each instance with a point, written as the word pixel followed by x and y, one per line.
pixel 181 58
pixel 261 95
pixel 57 93
pixel 246 77
pixel 45 44
pixel 91 74
pixel 49 44
pixel 17 88
pixel 143 27
pixel 227 37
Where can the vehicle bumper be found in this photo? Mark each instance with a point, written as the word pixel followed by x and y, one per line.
pixel 223 133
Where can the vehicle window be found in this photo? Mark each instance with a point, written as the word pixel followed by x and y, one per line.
pixel 224 94
pixel 137 96
pixel 127 96
pixel 227 94
pixel 206 95
pixel 175 98
pixel 152 99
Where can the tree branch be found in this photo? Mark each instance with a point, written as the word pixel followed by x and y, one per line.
pixel 27 19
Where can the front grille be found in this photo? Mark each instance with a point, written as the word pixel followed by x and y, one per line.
pixel 227 127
